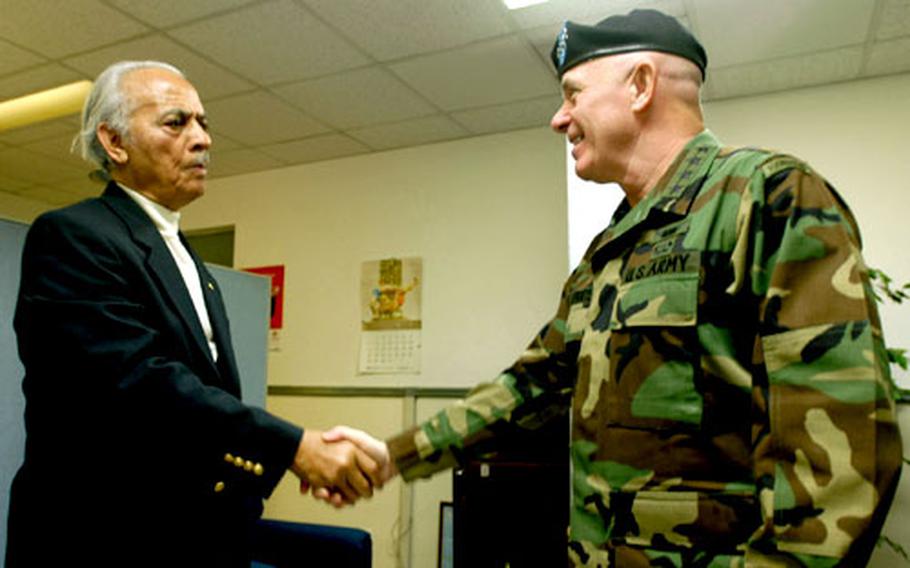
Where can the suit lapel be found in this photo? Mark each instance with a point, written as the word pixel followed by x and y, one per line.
pixel 160 265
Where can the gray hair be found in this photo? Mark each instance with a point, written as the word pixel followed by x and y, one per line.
pixel 106 104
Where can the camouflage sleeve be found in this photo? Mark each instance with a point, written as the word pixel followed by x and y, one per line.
pixel 826 446
pixel 537 387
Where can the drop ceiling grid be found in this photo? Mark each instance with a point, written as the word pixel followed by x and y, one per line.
pixel 294 81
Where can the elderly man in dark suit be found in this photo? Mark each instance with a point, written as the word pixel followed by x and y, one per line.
pixel 139 451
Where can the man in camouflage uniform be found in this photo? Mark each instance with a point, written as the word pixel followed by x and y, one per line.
pixel 718 344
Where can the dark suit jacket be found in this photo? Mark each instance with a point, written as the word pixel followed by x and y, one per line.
pixel 128 418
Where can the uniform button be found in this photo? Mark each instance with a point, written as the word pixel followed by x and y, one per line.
pixel 229 458
pixel 248 465
pixel 258 469
pixel 219 487
pixel 238 461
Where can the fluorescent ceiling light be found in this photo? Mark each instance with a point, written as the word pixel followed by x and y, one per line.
pixel 516 4
pixel 44 105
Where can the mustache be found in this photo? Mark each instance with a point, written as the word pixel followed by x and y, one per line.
pixel 202 159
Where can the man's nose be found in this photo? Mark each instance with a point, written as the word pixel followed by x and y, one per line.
pixel 560 121
pixel 202 140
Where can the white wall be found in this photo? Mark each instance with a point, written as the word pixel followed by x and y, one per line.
pixel 487 215
pixel 591 205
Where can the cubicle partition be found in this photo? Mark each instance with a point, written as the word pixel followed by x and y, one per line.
pixel 12 403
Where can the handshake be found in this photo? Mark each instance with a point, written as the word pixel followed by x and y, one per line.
pixel 342 465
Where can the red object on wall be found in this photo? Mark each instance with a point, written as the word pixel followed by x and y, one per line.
pixel 276 273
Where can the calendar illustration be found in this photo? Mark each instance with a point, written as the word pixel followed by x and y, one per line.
pixel 390 298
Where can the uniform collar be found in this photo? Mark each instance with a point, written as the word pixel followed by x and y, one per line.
pixel 673 195
pixel 677 188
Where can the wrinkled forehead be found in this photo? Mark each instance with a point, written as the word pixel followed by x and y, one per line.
pixel 159 89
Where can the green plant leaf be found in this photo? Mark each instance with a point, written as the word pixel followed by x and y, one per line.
pixel 898 357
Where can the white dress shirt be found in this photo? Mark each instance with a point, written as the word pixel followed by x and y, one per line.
pixel 168 222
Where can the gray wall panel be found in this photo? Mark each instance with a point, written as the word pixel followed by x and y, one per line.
pixel 246 298
pixel 12 403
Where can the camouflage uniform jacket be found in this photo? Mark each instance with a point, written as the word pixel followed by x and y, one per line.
pixel 724 365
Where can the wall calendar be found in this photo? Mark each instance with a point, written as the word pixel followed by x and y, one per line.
pixel 390 305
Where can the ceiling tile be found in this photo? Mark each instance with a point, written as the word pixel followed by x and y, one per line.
pixel 51 194
pixel 783 74
pixel 220 143
pixel 482 74
pixel 36 79
pixel 58 148
pixel 78 188
pixel 40 131
pixel 410 132
pixel 511 116
pixel 419 25
pixel 888 57
pixel 316 54
pixel 894 19
pixel 10 185
pixel 58 29
pixel 34 168
pixel 542 39
pixel 259 118
pixel 209 79
pixel 788 27
pixel 84 189
pixel 357 98
pixel 165 13
pixel 13 58
pixel 589 12
pixel 315 149
pixel 278 42
pixel 241 161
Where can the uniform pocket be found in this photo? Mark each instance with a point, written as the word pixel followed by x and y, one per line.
pixel 686 519
pixel 653 354
pixel 665 301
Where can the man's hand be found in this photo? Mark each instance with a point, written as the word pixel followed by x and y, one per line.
pixel 376 449
pixel 341 469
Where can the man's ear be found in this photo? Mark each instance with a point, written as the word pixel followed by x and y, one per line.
pixel 113 144
pixel 642 84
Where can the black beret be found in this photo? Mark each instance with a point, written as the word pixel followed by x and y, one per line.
pixel 640 30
